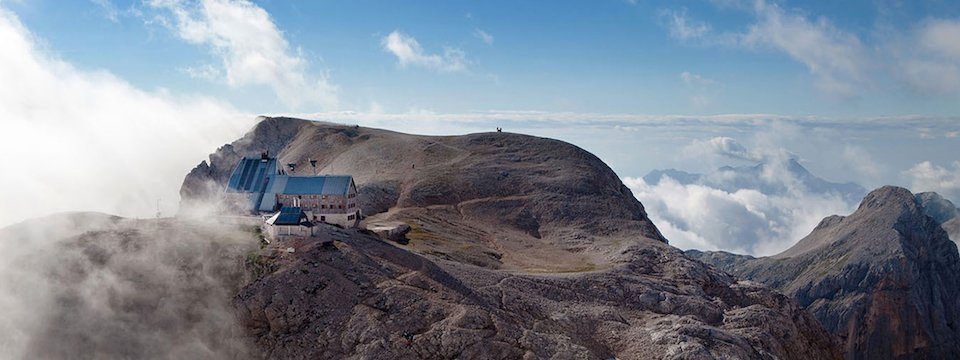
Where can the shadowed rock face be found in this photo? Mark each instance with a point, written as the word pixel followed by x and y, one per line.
pixel 521 247
pixel 885 279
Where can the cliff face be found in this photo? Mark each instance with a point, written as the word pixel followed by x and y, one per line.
pixel 885 279
pixel 521 247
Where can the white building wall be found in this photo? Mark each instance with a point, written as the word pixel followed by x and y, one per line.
pixel 342 219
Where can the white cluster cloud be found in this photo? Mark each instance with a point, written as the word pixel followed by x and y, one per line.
pixel 930 58
pixel 252 49
pixel 746 221
pixel 81 140
pixel 753 210
pixel 683 27
pixel 409 52
pixel 927 176
pixel 483 36
pixel 837 59
pixel 925 56
pixel 720 145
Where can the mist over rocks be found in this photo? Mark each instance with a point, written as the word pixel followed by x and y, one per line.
pixel 85 285
pixel 942 211
pixel 885 279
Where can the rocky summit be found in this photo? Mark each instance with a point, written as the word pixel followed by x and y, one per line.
pixel 885 279
pixel 519 247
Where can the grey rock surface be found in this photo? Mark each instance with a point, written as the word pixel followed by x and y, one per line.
pixel 520 247
pixel 885 279
pixel 486 199
pixel 369 299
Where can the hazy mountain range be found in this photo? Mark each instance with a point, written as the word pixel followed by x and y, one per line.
pixel 763 178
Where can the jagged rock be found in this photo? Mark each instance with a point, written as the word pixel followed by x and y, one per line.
pixel 885 279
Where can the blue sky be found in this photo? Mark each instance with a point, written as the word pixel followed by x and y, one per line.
pixel 572 56
pixel 117 100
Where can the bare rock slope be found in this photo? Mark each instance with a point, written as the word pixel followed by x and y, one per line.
pixel 521 247
pixel 555 206
pixel 885 279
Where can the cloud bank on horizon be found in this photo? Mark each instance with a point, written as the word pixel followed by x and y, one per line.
pixel 758 209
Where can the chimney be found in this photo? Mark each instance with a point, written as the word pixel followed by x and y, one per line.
pixel 313 163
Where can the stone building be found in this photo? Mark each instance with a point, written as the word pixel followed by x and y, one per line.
pixel 258 186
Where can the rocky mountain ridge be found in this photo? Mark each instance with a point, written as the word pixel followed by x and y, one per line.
pixel 542 193
pixel 520 247
pixel 885 279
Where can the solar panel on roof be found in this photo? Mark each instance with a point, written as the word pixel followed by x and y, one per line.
pixel 289 216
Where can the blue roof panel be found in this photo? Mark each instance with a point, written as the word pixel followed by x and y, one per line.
pixel 317 185
pixel 251 174
pixel 290 216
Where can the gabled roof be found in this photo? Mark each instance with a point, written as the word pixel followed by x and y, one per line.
pixel 313 185
pixel 251 175
pixel 289 215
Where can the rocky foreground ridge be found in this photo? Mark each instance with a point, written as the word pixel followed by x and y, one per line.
pixel 885 279
pixel 521 247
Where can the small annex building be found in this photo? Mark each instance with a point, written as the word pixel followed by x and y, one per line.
pixel 290 222
pixel 258 186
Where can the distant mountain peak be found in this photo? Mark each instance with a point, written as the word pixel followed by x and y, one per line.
pixel 885 279
pixel 755 177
